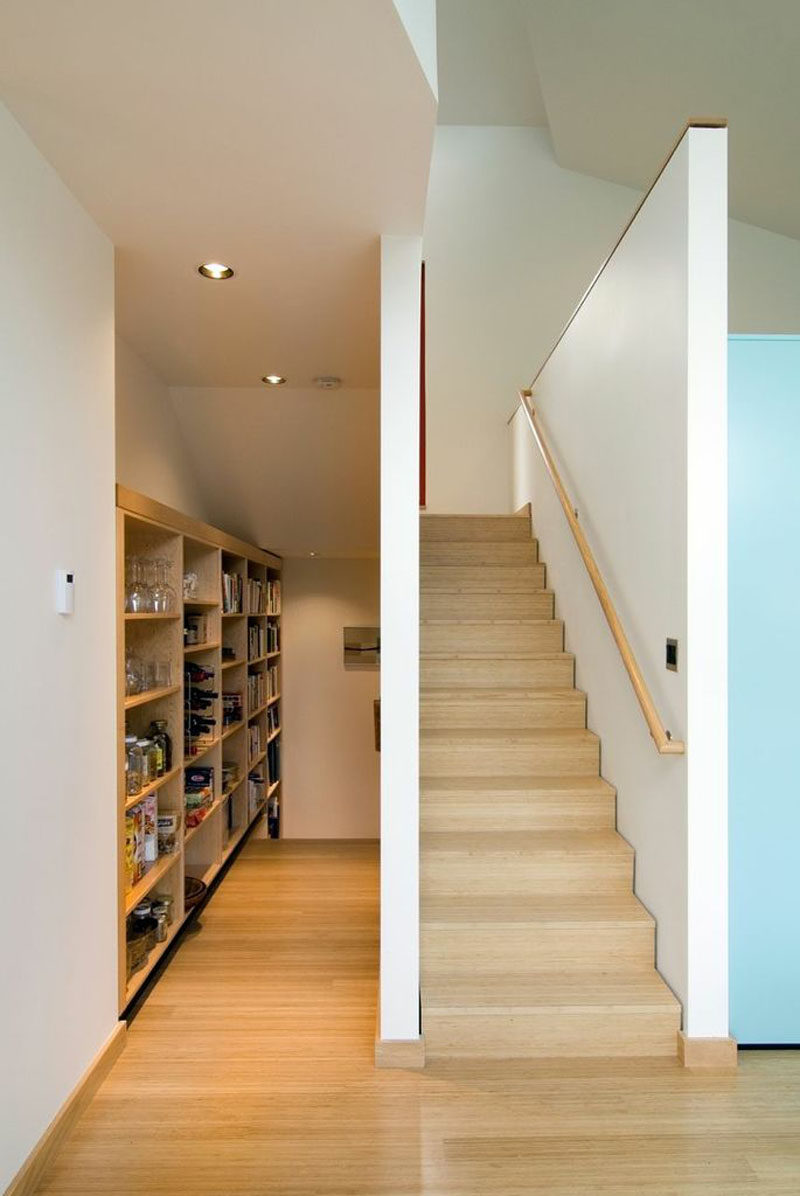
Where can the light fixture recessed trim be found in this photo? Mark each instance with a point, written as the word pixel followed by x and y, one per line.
pixel 215 270
pixel 273 380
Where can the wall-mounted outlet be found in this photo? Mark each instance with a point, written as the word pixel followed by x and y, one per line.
pixel 672 655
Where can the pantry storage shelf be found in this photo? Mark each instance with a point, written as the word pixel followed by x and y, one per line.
pixel 224 571
pixel 151 695
pixel 153 787
pixel 151 878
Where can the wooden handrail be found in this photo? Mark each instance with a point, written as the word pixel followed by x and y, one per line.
pixel 662 738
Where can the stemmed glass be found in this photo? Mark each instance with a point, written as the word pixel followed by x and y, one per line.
pixel 136 593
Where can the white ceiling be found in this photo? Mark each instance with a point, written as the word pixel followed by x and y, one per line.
pixel 281 136
pixel 301 466
pixel 486 71
pixel 621 77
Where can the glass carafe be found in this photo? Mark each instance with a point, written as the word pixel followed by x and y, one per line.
pixel 164 597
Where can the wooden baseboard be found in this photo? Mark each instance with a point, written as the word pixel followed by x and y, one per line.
pixel 27 1179
pixel 718 1053
pixel 404 1053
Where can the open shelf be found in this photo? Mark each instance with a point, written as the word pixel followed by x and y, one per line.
pixel 209 646
pixel 272 701
pixel 147 617
pixel 209 747
pixel 138 978
pixel 254 763
pixel 232 664
pixel 257 660
pixel 272 655
pixel 273 787
pixel 273 735
pixel 255 713
pixel 191 831
pixel 153 787
pixel 232 729
pixel 152 876
pixel 150 695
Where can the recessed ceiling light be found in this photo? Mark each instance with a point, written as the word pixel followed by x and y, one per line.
pixel 216 270
pixel 312 554
pixel 273 380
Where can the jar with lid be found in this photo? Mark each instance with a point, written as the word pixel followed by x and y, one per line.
pixel 134 766
pixel 159 733
pixel 167 900
pixel 151 755
pixel 160 915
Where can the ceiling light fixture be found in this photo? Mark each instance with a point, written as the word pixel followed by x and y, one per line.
pixel 312 554
pixel 273 380
pixel 215 270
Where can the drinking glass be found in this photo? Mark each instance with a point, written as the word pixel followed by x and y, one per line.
pixel 136 595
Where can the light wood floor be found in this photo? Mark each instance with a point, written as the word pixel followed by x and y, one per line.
pixel 249 1072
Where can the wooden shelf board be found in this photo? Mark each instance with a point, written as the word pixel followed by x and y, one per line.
pixel 191 831
pixel 151 695
pixel 233 842
pixel 255 763
pixel 138 978
pixel 273 787
pixel 131 618
pixel 191 648
pixel 132 801
pixel 270 655
pixel 191 760
pixel 255 713
pixel 232 729
pixel 273 735
pixel 272 701
pixel 206 602
pixel 257 660
pixel 231 664
pixel 233 614
pixel 151 878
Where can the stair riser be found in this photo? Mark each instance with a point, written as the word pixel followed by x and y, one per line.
pixel 499 673
pixel 452 874
pixel 538 604
pixel 473 579
pixel 435 528
pixel 539 1033
pixel 487 759
pixel 529 711
pixel 490 639
pixel 456 949
pixel 479 555
pixel 484 812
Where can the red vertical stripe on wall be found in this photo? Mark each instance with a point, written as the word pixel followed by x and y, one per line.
pixel 422 387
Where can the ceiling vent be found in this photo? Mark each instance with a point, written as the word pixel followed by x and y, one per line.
pixel 327 382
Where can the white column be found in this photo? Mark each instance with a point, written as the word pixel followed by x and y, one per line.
pixel 400 350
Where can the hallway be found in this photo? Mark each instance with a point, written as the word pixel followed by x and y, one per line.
pixel 249 1072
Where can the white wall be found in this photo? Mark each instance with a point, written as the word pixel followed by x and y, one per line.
pixel 330 767
pixel 633 404
pixel 419 22
pixel 401 259
pixel 59 874
pixel 511 243
pixel 152 456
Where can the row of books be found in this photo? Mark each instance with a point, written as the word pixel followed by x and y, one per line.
pixel 273 719
pixel 256 596
pixel 254 747
pixel 255 641
pixel 232 593
pixel 274 761
pixel 273 597
pixel 256 691
pixel 273 637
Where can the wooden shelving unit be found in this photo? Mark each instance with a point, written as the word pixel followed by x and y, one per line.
pixel 148 530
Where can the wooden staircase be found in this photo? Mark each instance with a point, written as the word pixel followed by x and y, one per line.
pixel 533 943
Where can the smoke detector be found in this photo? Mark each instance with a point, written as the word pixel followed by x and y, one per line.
pixel 327 382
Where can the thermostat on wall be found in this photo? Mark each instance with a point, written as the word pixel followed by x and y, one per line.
pixel 65 591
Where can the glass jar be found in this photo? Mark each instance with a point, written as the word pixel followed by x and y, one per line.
pixel 151 754
pixel 134 766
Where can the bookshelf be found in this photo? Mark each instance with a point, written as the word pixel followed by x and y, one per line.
pixel 203 661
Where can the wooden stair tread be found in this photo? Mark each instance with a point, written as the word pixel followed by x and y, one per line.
pixel 581 990
pixel 572 843
pixel 523 622
pixel 564 910
pixel 518 786
pixel 548 735
pixel 446 693
pixel 483 657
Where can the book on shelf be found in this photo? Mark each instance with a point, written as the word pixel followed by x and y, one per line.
pixel 256 596
pixel 232 593
pixel 273 597
pixel 274 761
pixel 255 641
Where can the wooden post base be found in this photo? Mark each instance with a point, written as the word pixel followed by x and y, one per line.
pixel 718 1053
